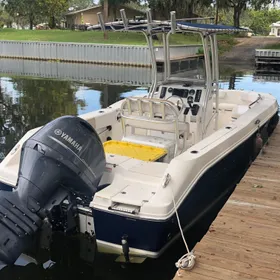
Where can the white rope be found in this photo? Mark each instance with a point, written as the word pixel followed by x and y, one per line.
pixel 187 261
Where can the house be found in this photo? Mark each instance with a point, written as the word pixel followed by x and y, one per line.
pixel 275 29
pixel 89 15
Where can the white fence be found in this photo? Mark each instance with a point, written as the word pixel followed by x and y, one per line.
pixel 178 52
pixel 267 53
pixel 89 53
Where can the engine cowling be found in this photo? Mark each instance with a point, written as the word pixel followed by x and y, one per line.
pixel 64 157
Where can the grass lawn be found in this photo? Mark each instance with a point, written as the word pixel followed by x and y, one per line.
pixel 226 42
pixel 275 46
pixel 89 37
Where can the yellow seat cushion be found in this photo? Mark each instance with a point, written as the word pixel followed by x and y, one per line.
pixel 133 150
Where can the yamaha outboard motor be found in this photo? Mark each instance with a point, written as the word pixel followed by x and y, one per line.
pixel 63 158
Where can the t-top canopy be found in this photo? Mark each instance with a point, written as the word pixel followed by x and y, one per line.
pixel 165 26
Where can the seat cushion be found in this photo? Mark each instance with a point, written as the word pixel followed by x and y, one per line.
pixel 239 110
pixel 225 106
pixel 134 150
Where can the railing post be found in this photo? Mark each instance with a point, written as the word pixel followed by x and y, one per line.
pixel 173 22
pixel 149 20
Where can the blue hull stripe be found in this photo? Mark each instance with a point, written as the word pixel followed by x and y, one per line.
pixel 5 187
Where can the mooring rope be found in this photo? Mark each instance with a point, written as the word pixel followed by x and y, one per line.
pixel 187 261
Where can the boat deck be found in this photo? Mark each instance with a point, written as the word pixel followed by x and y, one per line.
pixel 244 241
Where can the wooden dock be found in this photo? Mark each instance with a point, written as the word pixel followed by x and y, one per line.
pixel 244 241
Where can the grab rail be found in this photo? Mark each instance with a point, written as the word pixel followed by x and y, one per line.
pixel 259 98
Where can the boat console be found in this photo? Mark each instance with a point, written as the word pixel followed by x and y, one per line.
pixel 191 96
pixel 190 99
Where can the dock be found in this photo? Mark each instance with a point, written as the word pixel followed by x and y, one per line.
pixel 244 241
pixel 267 57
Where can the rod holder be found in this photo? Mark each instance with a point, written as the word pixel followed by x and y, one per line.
pixel 173 22
pixel 149 20
pixel 101 21
pixel 124 18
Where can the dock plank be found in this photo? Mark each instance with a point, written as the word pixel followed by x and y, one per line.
pixel 243 243
pixel 234 265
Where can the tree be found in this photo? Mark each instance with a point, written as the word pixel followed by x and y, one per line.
pixel 30 9
pixel 113 5
pixel 79 4
pixel 5 19
pixel 37 10
pixel 219 4
pixel 260 21
pixel 232 81
pixel 240 5
pixel 183 8
pixel 161 8
pixel 237 7
pixel 10 123
pixel 259 4
pixel 106 9
pixel 111 93
pixel 38 102
pixel 44 100
pixel 54 9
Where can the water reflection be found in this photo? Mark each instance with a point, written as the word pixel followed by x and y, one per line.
pixel 136 76
pixel 26 103
pixel 250 80
pixel 66 253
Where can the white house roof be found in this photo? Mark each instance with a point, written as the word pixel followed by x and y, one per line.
pixel 275 24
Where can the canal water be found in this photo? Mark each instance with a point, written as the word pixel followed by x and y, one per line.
pixel 27 102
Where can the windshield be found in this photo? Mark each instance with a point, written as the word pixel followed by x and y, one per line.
pixel 191 68
pixel 186 59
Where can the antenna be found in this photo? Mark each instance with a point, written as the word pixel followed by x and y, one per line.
pixel 149 20
pixel 101 21
pixel 173 22
pixel 124 18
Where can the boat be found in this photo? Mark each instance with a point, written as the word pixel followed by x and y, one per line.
pixel 144 170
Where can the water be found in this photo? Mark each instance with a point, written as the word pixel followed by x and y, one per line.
pixel 27 102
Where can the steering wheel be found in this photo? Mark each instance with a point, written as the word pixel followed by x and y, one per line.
pixel 179 104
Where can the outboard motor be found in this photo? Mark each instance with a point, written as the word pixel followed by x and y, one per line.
pixel 64 158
